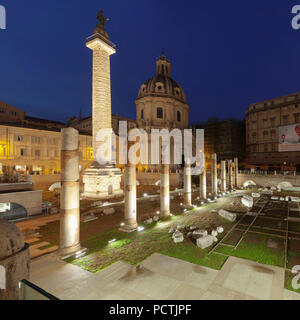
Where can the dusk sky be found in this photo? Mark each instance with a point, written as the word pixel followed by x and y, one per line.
pixel 225 54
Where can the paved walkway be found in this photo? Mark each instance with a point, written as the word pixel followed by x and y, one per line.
pixel 160 277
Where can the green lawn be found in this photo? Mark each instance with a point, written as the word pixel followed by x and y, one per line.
pixel 135 247
pixel 254 247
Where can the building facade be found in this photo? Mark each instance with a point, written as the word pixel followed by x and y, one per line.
pixel 226 138
pixel 32 145
pixel 264 122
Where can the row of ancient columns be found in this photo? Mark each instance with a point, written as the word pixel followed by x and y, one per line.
pixel 232 182
pixel 70 196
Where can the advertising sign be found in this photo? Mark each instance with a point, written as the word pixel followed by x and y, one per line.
pixel 289 138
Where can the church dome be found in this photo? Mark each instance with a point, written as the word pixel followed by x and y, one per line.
pixel 162 84
pixel 11 239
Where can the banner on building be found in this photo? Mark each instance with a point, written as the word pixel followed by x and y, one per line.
pixel 289 138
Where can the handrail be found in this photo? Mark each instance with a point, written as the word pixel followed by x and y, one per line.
pixel 98 35
pixel 39 290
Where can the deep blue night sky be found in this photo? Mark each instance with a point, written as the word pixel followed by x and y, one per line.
pixel 225 54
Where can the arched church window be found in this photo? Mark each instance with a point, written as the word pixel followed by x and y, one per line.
pixel 178 116
pixel 163 69
pixel 142 114
pixel 160 114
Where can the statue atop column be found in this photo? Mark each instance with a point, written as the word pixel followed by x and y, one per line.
pixel 100 28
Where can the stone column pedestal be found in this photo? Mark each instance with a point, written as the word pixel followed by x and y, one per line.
pixel 187 186
pixel 130 223
pixel 230 175
pixel 236 172
pixel 69 197
pixel 164 191
pixel 214 175
pixel 203 195
pixel 223 176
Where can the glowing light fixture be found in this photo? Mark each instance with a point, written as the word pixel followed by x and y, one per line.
pixel 140 229
pixel 112 241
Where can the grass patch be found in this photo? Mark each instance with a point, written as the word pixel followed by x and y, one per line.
pixel 254 247
pixel 191 253
pixel 135 247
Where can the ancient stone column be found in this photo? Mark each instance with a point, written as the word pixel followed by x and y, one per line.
pixel 69 196
pixel 164 191
pixel 187 185
pixel 223 176
pixel 203 195
pixel 14 260
pixel 214 175
pixel 236 172
pixel 101 180
pixel 130 223
pixel 230 175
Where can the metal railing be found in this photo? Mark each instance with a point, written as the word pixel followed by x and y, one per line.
pixel 29 291
pixel 98 35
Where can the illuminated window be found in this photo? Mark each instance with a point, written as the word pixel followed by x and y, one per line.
pixel 160 113
pixel 37 139
pixel 52 140
pixel 37 153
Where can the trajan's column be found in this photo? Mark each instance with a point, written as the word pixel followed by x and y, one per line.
pixel 101 180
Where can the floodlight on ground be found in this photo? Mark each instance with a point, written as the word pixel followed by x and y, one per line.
pixel 145 194
pixel 157 212
pixel 122 224
pixel 140 228
pixel 112 241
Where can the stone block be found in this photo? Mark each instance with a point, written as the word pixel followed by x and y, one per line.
pixel 205 242
pixel 177 236
pixel 214 233
pixel 220 229
pixel 155 218
pixel 148 221
pixel 247 201
pixel 227 215
pixel 171 230
pixel 109 211
pixel 199 233
pixel 255 195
